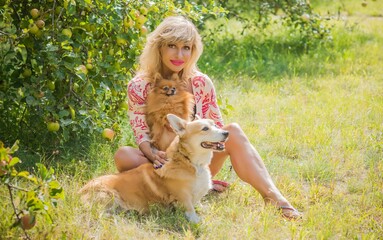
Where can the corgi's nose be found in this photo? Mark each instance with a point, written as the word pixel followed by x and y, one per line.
pixel 225 133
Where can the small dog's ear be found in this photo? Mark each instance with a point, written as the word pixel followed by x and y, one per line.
pixel 177 124
pixel 157 77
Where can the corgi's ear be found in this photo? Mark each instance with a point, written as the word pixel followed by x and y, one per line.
pixel 177 124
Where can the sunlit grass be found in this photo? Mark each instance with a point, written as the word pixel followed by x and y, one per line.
pixel 318 125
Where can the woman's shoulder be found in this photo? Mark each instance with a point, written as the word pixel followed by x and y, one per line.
pixel 200 79
pixel 138 89
pixel 138 80
pixel 200 75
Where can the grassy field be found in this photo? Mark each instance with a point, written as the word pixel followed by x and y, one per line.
pixel 318 125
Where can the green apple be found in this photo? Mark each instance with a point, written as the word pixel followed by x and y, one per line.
pixel 75 86
pixel 108 133
pixel 35 13
pixel 82 69
pixel 128 22
pixel 53 126
pixel 143 10
pixel 89 66
pixel 141 20
pixel 27 72
pixel 67 32
pixel 33 28
pixel 121 41
pixel 124 105
pixel 51 85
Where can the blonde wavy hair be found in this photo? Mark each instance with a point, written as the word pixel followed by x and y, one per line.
pixel 172 29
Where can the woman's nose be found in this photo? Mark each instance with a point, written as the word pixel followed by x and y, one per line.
pixel 179 53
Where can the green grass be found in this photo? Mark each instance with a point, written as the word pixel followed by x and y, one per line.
pixel 317 123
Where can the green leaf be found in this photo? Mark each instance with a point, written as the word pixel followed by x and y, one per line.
pixel 24 174
pixel 63 113
pixel 23 51
pixel 14 161
pixel 15 147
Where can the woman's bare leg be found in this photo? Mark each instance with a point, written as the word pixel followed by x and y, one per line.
pixel 249 166
pixel 127 158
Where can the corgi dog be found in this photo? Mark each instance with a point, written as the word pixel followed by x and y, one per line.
pixel 184 179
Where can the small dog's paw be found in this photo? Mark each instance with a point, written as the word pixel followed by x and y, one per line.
pixel 192 217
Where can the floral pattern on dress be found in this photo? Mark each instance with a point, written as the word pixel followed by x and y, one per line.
pixel 204 96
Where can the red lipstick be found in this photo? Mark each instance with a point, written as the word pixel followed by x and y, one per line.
pixel 177 62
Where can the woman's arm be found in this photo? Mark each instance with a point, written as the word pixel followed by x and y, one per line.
pixel 137 95
pixel 206 99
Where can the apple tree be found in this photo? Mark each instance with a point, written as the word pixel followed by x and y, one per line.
pixel 64 65
pixel 32 196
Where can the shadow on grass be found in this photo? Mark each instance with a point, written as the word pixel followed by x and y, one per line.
pixel 163 219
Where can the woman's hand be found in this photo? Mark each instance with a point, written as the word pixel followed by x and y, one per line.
pixel 157 157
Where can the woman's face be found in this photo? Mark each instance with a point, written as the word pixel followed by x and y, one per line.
pixel 175 56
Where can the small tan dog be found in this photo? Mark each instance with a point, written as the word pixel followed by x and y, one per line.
pixel 185 178
pixel 167 96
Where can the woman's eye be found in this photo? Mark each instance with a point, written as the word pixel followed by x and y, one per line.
pixel 205 129
pixel 187 48
pixel 171 45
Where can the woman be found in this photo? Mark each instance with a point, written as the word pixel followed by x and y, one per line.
pixel 174 47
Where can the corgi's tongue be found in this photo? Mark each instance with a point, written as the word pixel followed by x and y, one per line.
pixel 218 146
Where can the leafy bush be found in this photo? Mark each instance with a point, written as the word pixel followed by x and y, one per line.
pixel 296 14
pixel 265 38
pixel 30 195
pixel 64 65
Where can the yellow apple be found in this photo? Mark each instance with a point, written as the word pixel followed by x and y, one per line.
pixel 40 23
pixel 108 133
pixel 35 13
